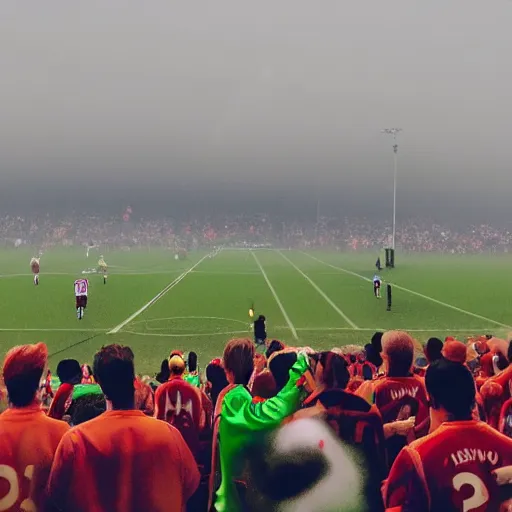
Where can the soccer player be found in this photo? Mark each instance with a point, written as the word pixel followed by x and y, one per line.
pixel 28 438
pixel 103 267
pixel 81 291
pixel 452 468
pixel 35 266
pixel 121 460
pixel 377 281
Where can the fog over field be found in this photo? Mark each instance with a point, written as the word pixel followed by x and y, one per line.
pixel 232 106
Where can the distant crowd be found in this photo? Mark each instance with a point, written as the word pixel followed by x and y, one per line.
pixel 392 426
pixel 347 234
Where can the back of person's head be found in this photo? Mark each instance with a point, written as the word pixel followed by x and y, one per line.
pixel 165 373
pixel 87 407
pixel 398 349
pixel 192 362
pixel 334 371
pixel 455 351
pixel 216 378
pixel 509 352
pixel 261 318
pixel 115 373
pixel 69 371
pixel 239 360
pixel 264 385
pixel 22 372
pixel 376 341
pixel 433 349
pixel 280 366
pixel 176 365
pixel 451 387
pixel 372 355
pixel 274 346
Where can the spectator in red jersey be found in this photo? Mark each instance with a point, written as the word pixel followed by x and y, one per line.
pixel 400 395
pixel 451 469
pixel 70 374
pixel 492 397
pixel 179 403
pixel 121 460
pixel 28 438
pixel 356 422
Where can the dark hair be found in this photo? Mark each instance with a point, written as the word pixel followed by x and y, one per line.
pixel 164 373
pixel 115 373
pixel 69 371
pixel 22 388
pixel 509 352
pixel 261 317
pixel 239 360
pixel 335 373
pixel 433 349
pixel 280 367
pixel 192 362
pixel 216 376
pixel 376 341
pixel 274 346
pixel 87 407
pixel 451 386
pixel 372 356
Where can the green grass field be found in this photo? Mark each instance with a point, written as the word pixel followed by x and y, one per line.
pixel 321 299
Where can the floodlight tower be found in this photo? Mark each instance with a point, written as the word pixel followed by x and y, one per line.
pixel 394 133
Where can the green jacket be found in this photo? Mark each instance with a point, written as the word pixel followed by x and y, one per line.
pixel 240 420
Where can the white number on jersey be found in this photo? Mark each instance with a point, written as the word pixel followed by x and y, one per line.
pixel 81 287
pixel 480 493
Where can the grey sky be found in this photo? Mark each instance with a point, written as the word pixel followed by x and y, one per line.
pixel 283 93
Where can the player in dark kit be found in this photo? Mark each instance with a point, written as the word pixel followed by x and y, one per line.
pixel 260 330
pixel 377 282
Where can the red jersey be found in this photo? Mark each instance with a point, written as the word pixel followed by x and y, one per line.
pixel 61 401
pixel 449 470
pixel 28 442
pixel 179 403
pixel 122 460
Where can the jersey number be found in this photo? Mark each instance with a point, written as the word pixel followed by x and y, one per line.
pixel 12 496
pixel 480 493
pixel 81 287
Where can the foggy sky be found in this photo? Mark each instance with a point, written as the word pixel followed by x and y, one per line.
pixel 165 102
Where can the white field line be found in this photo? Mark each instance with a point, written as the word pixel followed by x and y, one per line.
pixel 279 303
pixel 157 297
pixel 412 292
pixel 321 292
pixel 225 273
pixel 25 329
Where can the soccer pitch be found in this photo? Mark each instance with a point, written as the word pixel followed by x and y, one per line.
pixel 316 298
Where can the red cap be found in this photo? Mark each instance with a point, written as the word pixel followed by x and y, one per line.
pixel 455 351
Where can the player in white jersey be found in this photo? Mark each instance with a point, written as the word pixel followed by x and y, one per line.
pixel 81 291
pixel 103 268
pixel 377 282
pixel 35 267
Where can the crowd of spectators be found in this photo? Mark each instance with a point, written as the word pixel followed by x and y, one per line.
pixel 390 426
pixel 342 234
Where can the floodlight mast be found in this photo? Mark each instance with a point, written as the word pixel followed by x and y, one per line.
pixel 394 133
